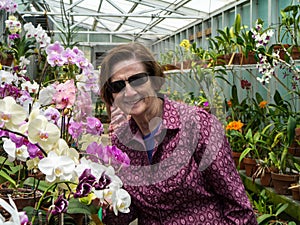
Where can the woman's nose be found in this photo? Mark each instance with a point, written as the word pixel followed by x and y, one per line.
pixel 128 90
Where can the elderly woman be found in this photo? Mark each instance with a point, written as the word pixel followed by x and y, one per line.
pixel 181 171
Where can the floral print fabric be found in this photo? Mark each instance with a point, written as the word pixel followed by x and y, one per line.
pixel 192 178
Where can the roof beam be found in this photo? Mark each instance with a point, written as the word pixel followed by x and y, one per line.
pixel 114 15
pixel 165 6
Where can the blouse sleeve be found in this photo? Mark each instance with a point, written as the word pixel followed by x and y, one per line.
pixel 224 179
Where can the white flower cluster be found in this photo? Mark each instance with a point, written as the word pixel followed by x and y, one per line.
pixel 13 25
pixel 38 33
pixel 264 66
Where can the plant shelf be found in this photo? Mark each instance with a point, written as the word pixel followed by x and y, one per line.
pixel 294 206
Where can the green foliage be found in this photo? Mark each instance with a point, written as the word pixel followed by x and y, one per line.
pixel 268 213
pixel 23 46
pixel 290 24
pixel 12 174
pixel 68 32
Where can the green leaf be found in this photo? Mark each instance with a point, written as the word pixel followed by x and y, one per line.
pixel 297 166
pixel 234 95
pixel 237 24
pixel 258 97
pixel 75 206
pixel 244 154
pixel 8 178
pixel 277 98
pixel 291 125
pixel 281 208
pixel 264 218
pixel 31 181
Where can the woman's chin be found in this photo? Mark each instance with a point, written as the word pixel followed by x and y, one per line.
pixel 137 109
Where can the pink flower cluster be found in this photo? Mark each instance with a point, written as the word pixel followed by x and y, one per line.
pixel 109 155
pixel 8 5
pixel 91 126
pixel 57 55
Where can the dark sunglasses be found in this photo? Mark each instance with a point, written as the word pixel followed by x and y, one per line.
pixel 134 81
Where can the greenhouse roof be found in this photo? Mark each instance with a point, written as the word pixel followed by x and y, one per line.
pixel 131 19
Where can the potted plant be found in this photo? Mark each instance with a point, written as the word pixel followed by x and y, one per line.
pixel 281 158
pixel 295 187
pixel 266 211
pixel 264 163
pixel 289 29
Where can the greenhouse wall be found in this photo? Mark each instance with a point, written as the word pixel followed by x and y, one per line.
pixel 250 10
pixel 269 11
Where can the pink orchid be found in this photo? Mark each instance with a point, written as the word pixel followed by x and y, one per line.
pixel 69 56
pixel 55 59
pixel 56 47
pixel 65 95
pixel 75 129
pixel 94 126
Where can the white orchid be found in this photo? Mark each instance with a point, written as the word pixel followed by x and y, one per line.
pixel 11 114
pixel 57 167
pixel 46 95
pixel 30 87
pixel 121 201
pixel 6 77
pixel 62 148
pixel 44 133
pixel 13 152
pixel 17 218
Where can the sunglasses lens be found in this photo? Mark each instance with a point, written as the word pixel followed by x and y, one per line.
pixel 138 79
pixel 134 81
pixel 117 86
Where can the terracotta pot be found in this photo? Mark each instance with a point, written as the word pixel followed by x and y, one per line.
pixel 250 59
pixel 167 67
pixel 295 54
pixel 220 60
pixel 250 166
pixel 22 197
pixel 294 149
pixel 236 157
pixel 295 192
pixel 6 61
pixel 232 59
pixel 266 179
pixel 282 182
pixel 297 133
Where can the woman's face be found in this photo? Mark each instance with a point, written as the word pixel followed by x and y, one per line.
pixel 136 97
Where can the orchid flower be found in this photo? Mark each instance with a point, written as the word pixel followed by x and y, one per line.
pixel 17 218
pixel 57 167
pixel 121 202
pixel 44 133
pixel 13 152
pixel 11 113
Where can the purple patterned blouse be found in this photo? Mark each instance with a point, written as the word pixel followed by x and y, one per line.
pixel 192 178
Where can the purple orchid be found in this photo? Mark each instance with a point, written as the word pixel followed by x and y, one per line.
pixel 94 126
pixel 85 185
pixel 69 56
pixel 103 182
pixel 52 114
pixel 56 47
pixel 118 156
pixel 60 206
pixel 75 129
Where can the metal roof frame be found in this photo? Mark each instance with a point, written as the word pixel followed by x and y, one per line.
pixel 140 19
